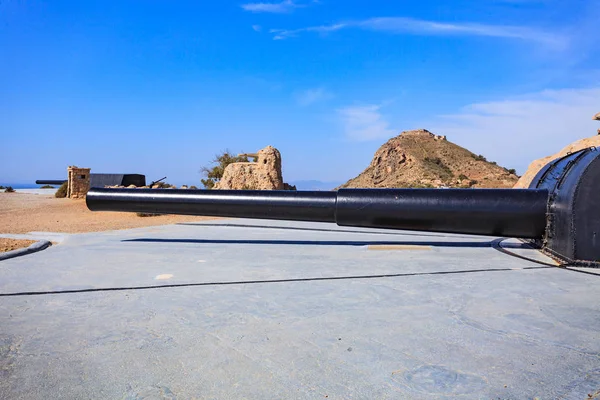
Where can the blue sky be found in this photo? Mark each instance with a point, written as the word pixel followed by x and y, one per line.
pixel 160 87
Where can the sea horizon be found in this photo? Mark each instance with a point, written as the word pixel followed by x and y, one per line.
pixel 25 185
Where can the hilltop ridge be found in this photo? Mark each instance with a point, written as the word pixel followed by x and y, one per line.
pixel 420 159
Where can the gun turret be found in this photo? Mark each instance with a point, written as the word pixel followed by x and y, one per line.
pixel 559 212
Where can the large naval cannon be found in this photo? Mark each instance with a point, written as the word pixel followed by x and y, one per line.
pixel 560 212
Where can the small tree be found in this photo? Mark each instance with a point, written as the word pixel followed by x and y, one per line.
pixel 215 173
pixel 62 191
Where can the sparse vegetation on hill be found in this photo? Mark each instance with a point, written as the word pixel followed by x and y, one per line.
pixel 62 191
pixel 436 166
pixel 420 159
pixel 215 173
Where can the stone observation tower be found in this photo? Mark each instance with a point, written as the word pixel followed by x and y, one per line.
pixel 263 174
pixel 78 182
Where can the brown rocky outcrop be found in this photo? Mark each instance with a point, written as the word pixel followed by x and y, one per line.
pixel 264 174
pixel 418 158
pixel 536 165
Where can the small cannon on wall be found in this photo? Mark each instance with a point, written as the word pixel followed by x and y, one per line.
pixel 560 212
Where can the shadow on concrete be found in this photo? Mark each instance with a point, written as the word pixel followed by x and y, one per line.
pixel 328 242
pixel 295 228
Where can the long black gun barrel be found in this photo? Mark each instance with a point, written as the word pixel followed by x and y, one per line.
pixel 50 181
pixel 157 181
pixel 560 211
pixel 519 213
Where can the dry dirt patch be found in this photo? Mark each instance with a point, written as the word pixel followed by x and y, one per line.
pixel 13 244
pixel 22 213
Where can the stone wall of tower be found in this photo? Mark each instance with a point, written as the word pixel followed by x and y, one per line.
pixel 78 182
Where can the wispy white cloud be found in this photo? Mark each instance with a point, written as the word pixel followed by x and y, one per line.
pixel 403 25
pixel 414 26
pixel 284 6
pixel 516 131
pixel 280 34
pixel 365 122
pixel 257 28
pixel 310 96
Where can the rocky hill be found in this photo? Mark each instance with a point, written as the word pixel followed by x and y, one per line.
pixel 536 165
pixel 420 159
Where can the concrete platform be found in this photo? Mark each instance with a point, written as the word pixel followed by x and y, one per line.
pixel 234 309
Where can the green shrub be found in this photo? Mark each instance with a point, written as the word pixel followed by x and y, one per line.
pixel 479 157
pixel 9 189
pixel 47 187
pixel 2 187
pixel 214 174
pixel 473 182
pixel 512 171
pixel 463 177
pixel 62 191
pixel 193 187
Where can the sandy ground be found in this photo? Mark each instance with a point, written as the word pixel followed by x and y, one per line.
pixel 13 244
pixel 23 213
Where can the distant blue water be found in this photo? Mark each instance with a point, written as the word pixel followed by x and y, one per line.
pixel 23 185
